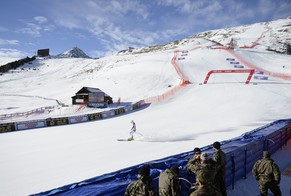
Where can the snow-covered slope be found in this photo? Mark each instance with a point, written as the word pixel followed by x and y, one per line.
pixel 41 159
pixel 74 52
pixel 274 35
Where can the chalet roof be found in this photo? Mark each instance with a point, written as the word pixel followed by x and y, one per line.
pixel 91 90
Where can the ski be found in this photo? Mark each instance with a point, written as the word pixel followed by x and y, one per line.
pixel 129 139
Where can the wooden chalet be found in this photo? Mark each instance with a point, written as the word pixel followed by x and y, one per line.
pixel 92 97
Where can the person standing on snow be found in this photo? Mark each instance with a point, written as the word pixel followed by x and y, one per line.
pixel 195 159
pixel 142 186
pixel 133 129
pixel 220 158
pixel 267 172
pixel 169 183
pixel 206 165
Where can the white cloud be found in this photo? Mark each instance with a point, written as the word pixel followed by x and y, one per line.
pixel 36 27
pixel 31 29
pixel 11 53
pixel 9 42
pixel 91 14
pixel 40 19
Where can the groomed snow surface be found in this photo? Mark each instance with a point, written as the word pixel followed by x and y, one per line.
pixel 37 160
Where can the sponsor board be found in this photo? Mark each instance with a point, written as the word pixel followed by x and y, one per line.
pixel 95 116
pixel 57 121
pixel 234 62
pixel 30 124
pixel 78 119
pixel 238 66
pixel 97 105
pixel 119 111
pixel 107 114
pixel 261 77
pixel 7 127
pixel 127 108
pixel 259 72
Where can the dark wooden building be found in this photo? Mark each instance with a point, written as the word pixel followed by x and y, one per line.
pixel 43 52
pixel 92 97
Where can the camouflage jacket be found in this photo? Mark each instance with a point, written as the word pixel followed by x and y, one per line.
pixel 193 161
pixel 169 184
pixel 207 190
pixel 209 166
pixel 266 170
pixel 141 187
pixel 220 158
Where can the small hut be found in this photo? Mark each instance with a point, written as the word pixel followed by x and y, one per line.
pixel 43 52
pixel 92 97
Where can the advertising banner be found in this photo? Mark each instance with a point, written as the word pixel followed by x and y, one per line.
pixel 7 127
pixel 57 121
pixel 261 77
pixel 107 114
pixel 95 116
pixel 127 108
pixel 30 124
pixel 78 119
pixel 119 111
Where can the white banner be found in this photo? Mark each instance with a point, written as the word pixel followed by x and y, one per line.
pixel 78 119
pixel 30 124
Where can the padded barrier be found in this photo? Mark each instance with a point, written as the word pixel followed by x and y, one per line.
pixel 241 152
pixel 33 124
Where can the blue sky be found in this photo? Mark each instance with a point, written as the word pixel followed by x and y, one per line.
pixel 102 27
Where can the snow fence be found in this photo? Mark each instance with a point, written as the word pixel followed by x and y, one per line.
pixel 241 153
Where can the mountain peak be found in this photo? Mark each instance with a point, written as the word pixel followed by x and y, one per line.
pixel 75 53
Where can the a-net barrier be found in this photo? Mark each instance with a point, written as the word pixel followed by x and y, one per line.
pixel 241 152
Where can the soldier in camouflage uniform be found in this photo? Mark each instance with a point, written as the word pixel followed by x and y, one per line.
pixel 267 172
pixel 204 188
pixel 169 183
pixel 220 158
pixel 141 187
pixel 195 159
pixel 205 165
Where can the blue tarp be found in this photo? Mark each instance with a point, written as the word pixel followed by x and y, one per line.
pixel 241 152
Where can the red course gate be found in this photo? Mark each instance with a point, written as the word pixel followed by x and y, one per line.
pixel 250 71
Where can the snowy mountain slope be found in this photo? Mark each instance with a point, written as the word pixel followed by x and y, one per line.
pixel 74 52
pixel 274 35
pixel 111 74
pixel 42 159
